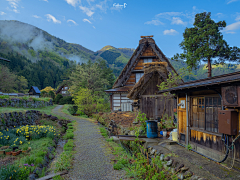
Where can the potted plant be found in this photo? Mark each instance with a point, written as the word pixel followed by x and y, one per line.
pixel 16 152
pixel 8 151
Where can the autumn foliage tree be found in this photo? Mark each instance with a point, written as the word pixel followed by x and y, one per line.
pixel 204 42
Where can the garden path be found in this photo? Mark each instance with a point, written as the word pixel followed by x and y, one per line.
pixel 93 158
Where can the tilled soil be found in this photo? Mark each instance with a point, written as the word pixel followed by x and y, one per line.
pixel 92 160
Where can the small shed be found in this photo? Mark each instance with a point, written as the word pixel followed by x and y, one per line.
pixel 34 92
pixel 209 114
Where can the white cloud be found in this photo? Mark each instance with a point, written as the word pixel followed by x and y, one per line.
pixel 168 15
pixel 51 17
pixel 36 16
pixel 178 20
pixel 154 22
pixel 194 7
pixel 2 13
pixel 170 32
pixel 230 1
pixel 73 2
pixel 238 18
pixel 86 20
pixel 87 11
pixel 14 5
pixel 94 27
pixel 45 0
pixel 230 28
pixel 70 20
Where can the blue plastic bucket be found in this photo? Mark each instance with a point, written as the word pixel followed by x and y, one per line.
pixel 152 131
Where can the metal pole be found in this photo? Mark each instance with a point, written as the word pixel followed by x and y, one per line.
pixel 187 119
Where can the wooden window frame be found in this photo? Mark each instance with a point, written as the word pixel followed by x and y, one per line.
pixel 206 124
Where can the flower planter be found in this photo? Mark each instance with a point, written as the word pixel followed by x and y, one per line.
pixel 8 153
pixel 2 152
pixel 16 153
pixel 4 147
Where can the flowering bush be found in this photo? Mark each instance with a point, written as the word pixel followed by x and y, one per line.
pixel 21 135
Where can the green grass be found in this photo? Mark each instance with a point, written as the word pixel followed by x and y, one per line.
pixel 64 161
pixel 65 109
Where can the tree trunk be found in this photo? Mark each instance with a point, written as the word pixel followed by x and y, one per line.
pixel 209 68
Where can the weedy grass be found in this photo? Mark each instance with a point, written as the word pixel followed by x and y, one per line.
pixel 64 162
pixel 137 166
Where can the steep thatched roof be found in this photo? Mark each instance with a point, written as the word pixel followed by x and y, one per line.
pixel 150 69
pixel 143 44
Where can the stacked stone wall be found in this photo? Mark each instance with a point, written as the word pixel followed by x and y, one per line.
pixel 16 119
pixel 16 102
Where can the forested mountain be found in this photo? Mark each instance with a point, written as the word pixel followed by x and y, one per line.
pixel 44 60
pixel 116 58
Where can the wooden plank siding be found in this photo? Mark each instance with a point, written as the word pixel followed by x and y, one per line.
pixel 156 106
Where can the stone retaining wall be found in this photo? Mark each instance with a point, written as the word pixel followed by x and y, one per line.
pixel 15 102
pixel 9 120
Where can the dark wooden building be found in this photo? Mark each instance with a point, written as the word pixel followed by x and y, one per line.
pixel 144 92
pixel 63 90
pixel 208 112
pixel 146 52
pixel 34 92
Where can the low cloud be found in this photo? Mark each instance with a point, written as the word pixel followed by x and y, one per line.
pixel 70 20
pixel 52 18
pixel 86 20
pixel 178 20
pixel 87 11
pixel 2 13
pixel 154 22
pixel 36 16
pixel 170 32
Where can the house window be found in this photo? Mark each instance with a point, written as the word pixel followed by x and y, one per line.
pixel 204 113
pixel 63 92
pixel 147 60
pixel 138 76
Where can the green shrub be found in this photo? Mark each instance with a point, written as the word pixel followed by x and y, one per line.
pixel 70 124
pixel 57 98
pixel 66 100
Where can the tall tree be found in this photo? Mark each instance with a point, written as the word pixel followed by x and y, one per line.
pixel 88 76
pixel 204 42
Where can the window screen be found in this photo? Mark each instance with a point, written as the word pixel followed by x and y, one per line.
pixel 138 76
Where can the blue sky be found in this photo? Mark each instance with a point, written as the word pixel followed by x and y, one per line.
pixel 97 23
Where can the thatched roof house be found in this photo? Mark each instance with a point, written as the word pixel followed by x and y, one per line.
pixel 146 52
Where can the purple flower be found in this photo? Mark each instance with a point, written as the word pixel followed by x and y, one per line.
pixel 32 164
pixel 25 164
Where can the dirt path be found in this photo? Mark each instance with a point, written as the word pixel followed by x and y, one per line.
pixel 93 158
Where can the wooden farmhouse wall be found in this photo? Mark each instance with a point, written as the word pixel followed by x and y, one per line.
pixel 120 101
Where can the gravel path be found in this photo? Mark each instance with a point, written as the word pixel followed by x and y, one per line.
pixel 93 158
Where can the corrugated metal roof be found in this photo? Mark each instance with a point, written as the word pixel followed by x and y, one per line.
pixel 225 78
pixel 36 89
pixel 121 89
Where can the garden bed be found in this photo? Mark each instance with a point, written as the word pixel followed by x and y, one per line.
pixel 42 139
